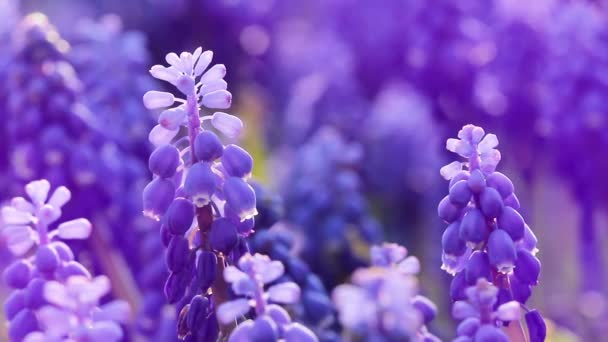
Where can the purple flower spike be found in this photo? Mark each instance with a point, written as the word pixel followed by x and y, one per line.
pixel 483 211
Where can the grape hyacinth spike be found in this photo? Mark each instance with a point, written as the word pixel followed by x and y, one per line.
pixel 54 297
pixel 486 238
pixel 200 191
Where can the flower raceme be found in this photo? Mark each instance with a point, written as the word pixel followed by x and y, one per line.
pixel 272 322
pixel 54 298
pixel 199 192
pixel 486 236
pixel 383 303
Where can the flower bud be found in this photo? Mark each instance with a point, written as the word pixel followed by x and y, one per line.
pixel 527 267
pixel 178 253
pixel 164 161
pixel 180 215
pixel 448 211
pixel 236 161
pixel 478 267
pixel 157 196
pixel 47 259
pixel 451 242
pixel 200 183
pixel 501 183
pixel 501 251
pixel 476 182
pixel 223 236
pixel 207 146
pixel 511 222
pixel 229 125
pixel 240 197
pixel 490 202
pixel 18 274
pixel 460 193
pixel 473 228
pixel 205 269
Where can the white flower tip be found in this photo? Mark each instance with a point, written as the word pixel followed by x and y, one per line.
pixel 75 229
pixel 154 99
pixel 229 125
pixel 449 171
pixel 159 135
pixel 38 190
pixel 60 197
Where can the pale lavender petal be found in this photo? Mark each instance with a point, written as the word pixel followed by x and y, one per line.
pixel 229 311
pixel 165 74
pixel 213 86
pixel 510 311
pixel 11 215
pixel 215 73
pixel 117 310
pixel 36 336
pixel 203 62
pixel 197 53
pixel 229 125
pixel 449 171
pixel 154 99
pixel 477 134
pixel 244 287
pixel 489 160
pixel 57 322
pixel 75 229
pixel 60 197
pixel 220 99
pixel 489 142
pixel 285 293
pixel 271 272
pixel 173 59
pixel 160 136
pixel 187 62
pixel 38 190
pixel 97 288
pixel 171 119
pixel 462 310
pixel 22 204
pixel 19 239
pixel 410 265
pixel 56 293
pixel 233 274
pixel 104 331
pixel 49 213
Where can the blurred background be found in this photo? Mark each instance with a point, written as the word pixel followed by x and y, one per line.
pixel 347 105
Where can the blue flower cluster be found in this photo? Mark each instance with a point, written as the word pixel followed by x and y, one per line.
pixel 486 236
pixel 55 297
pixel 199 191
pixel 325 204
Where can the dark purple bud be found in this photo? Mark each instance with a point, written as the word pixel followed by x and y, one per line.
pixel 236 161
pixel 175 286
pixel 457 286
pixel 245 227
pixel 468 327
pixel 240 197
pixel 489 333
pixel 197 312
pixel 207 146
pixel 165 235
pixel 478 267
pixel 22 324
pixel 490 202
pixel 223 236
pixel 462 175
pixel 180 216
pixel 473 227
pixel 536 326
pixel 512 201
pixel 205 269
pixel 501 251
pixel 47 259
pixel 63 251
pixel 178 253
pixel 264 329
pixel 460 194
pixel 319 308
pixel 158 195
pixel 476 182
pixel 521 292
pixel 278 315
pixel 13 304
pixel 298 333
pixel 501 183
pixel 427 308
pixel 73 268
pixel 451 242
pixel 164 161
pixel 34 294
pixel 448 211
pixel 503 296
pixel 200 183
pixel 18 274
pixel 527 267
pixel 511 222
